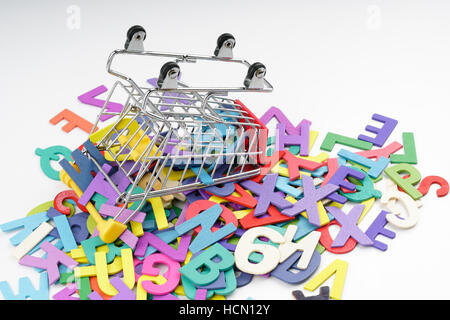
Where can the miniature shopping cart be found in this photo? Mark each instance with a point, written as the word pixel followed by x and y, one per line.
pixel 173 138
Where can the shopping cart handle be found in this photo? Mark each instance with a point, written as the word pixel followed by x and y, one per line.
pixel 109 230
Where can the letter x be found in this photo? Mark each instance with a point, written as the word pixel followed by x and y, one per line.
pixel 266 194
pixel 309 201
pixel 349 228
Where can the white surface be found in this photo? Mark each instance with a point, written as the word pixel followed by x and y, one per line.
pixel 334 63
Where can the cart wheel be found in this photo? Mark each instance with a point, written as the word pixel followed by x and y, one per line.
pixel 168 76
pixel 225 45
pixel 135 38
pixel 255 76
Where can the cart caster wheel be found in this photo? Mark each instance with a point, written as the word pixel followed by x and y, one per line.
pixel 135 39
pixel 168 76
pixel 255 76
pixel 225 45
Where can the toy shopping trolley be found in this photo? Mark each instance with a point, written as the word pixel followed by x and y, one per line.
pixel 172 138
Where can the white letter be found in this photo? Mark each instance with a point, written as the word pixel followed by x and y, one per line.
pixel 245 246
pixel 307 245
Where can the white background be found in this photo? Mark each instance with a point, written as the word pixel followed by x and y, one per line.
pixel 334 63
